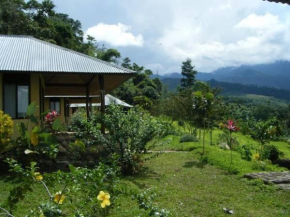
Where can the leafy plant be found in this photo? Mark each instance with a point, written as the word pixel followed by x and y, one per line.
pixel 246 153
pixel 264 132
pixel 79 181
pixel 145 201
pixel 271 152
pixel 35 140
pixel 188 138
pixel 6 130
pixel 129 134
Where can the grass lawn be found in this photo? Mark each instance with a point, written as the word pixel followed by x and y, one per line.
pixel 187 188
pixel 222 158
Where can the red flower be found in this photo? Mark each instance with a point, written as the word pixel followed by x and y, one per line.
pixel 50 116
pixel 232 126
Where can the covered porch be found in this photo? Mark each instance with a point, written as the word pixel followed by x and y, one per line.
pixel 93 87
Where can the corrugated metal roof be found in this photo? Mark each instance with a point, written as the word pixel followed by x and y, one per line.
pixel 280 1
pixel 28 54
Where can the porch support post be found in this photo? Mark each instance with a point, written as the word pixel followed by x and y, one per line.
pixel 102 87
pixel 87 101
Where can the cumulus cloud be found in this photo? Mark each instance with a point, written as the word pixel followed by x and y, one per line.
pixel 219 39
pixel 115 35
pixel 213 33
pixel 256 22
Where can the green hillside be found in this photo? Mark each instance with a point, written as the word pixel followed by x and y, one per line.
pixel 234 89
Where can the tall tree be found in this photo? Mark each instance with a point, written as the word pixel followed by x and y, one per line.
pixel 126 63
pixel 187 70
pixel 13 19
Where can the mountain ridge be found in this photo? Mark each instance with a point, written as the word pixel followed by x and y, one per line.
pixel 276 75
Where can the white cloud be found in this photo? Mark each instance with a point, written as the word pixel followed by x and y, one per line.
pixel 257 22
pixel 115 35
pixel 218 39
pixel 213 33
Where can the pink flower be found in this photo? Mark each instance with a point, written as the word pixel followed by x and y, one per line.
pixel 50 116
pixel 232 126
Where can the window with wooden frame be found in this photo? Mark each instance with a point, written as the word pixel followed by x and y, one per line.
pixel 54 104
pixel 16 94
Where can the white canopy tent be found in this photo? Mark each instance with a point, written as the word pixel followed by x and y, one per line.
pixel 109 99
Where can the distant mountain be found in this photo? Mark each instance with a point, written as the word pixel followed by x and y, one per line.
pixel 175 75
pixel 271 75
pixel 275 75
pixel 170 75
pixel 235 89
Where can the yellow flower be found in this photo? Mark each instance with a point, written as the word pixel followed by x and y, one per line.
pixel 34 139
pixel 59 198
pixel 105 197
pixel 38 176
pixel 256 156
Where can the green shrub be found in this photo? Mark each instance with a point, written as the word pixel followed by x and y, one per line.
pixel 78 120
pixel 271 152
pixel 262 165
pixel 129 134
pixel 188 138
pixel 246 153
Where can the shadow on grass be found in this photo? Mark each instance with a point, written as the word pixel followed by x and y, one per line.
pixel 145 173
pixel 197 164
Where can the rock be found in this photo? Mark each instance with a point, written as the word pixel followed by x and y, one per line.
pixel 64 143
pixel 60 139
pixel 63 165
pixel 224 146
pixel 62 149
pixel 284 186
pixel 282 179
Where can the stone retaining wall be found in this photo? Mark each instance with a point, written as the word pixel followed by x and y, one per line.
pixel 89 156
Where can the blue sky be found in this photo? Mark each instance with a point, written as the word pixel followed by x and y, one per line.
pixel 163 33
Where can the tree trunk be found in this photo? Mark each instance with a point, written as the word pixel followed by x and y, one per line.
pixel 210 132
pixel 231 146
pixel 203 139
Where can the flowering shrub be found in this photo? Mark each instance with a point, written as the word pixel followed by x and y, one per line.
pixel 34 141
pixel 105 198
pixel 6 130
pixel 232 127
pixel 50 116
